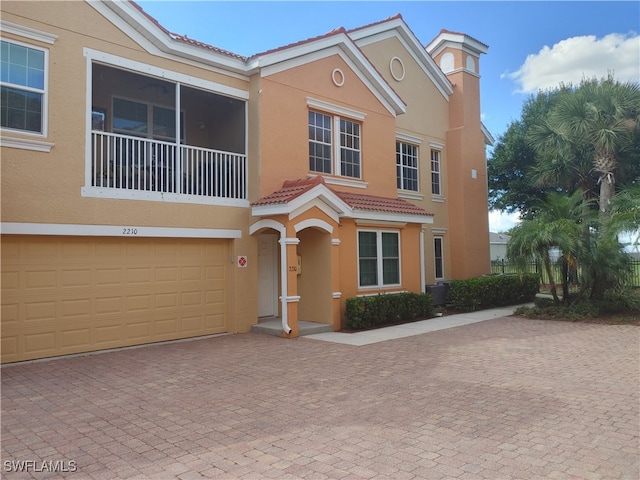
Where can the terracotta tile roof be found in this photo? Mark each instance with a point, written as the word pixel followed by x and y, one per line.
pixel 373 203
pixel 388 19
pixel 335 31
pixel 292 189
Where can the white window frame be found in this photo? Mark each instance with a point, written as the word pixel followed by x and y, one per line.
pixel 337 147
pixel 150 106
pixel 337 112
pixel 379 259
pixel 438 172
pixel 401 157
pixel 437 259
pixel 44 92
pixel 317 142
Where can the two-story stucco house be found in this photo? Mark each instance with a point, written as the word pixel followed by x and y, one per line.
pixel 155 187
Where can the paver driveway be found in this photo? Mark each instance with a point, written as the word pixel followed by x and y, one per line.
pixel 505 398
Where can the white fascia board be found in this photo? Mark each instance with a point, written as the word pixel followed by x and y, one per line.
pixel 457 41
pixel 326 195
pixel 155 41
pixel 391 217
pixel 321 205
pixel 11 228
pixel 399 30
pixel 488 138
pixel 341 45
pixel 303 203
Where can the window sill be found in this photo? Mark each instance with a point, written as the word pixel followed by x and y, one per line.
pixel 438 199
pixel 26 144
pixel 410 195
pixel 342 181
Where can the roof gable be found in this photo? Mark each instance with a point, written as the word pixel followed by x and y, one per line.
pixel 336 42
pixel 396 27
pixel 299 195
pixel 132 20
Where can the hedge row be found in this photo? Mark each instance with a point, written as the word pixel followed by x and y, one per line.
pixel 368 312
pixel 492 291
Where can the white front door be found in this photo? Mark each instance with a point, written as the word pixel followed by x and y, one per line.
pixel 267 276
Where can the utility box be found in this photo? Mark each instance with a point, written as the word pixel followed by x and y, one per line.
pixel 439 294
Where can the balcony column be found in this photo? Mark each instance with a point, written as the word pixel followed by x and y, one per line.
pixel 178 154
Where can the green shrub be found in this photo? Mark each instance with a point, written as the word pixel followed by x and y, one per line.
pixel 492 291
pixel 368 312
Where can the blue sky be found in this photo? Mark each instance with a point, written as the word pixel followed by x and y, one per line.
pixel 532 45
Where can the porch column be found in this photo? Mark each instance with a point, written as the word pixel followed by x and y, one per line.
pixel 290 298
pixel 335 284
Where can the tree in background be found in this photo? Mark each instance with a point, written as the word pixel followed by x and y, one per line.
pixel 556 225
pixel 576 151
pixel 596 125
pixel 560 144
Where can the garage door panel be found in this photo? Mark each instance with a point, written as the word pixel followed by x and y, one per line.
pixel 112 292
pixel 166 274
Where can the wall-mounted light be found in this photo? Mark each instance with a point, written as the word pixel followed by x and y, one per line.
pixel 202 126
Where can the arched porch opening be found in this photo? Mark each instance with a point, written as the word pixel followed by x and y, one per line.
pixel 315 276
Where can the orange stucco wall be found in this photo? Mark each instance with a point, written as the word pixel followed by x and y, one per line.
pixel 284 146
pixel 45 187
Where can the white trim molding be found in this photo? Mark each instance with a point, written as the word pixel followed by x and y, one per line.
pixel 404 137
pixel 170 75
pixel 397 77
pixel 27 32
pixel 313 222
pixel 25 144
pixel 337 294
pixel 336 109
pixel 11 228
pixel 410 195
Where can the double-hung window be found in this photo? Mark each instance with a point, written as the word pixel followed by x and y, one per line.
pixel 378 258
pixel 435 172
pixel 407 166
pixel 23 87
pixel 334 145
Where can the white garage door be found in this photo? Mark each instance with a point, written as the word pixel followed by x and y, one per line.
pixel 63 295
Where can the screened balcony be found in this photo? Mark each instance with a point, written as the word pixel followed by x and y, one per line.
pixel 165 140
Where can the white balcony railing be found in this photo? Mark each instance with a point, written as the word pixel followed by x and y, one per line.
pixel 141 164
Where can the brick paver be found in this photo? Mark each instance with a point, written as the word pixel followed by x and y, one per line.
pixel 506 398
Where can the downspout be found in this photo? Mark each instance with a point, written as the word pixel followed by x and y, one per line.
pixel 283 283
pixel 423 276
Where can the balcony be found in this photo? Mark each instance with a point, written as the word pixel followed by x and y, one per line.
pixel 130 163
pixel 158 140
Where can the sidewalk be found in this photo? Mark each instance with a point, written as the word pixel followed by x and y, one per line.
pixel 413 328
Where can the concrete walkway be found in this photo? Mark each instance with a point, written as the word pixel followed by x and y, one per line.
pixel 414 328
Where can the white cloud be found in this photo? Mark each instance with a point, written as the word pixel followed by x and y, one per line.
pixel 500 221
pixel 576 58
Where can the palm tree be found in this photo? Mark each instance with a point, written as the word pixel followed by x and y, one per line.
pixel 557 224
pixel 600 121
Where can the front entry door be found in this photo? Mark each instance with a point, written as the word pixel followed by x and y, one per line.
pixel 267 276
